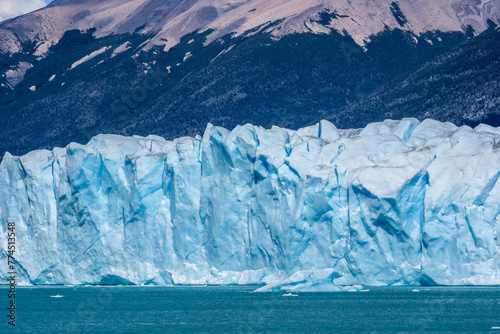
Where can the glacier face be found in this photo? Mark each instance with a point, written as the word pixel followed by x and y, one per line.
pixel 395 203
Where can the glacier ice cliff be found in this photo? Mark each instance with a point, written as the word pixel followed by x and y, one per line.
pixel 396 203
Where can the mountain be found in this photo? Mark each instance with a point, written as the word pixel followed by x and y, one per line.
pixel 169 21
pixel 395 203
pixel 460 86
pixel 77 68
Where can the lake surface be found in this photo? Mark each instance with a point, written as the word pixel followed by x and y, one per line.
pixel 236 309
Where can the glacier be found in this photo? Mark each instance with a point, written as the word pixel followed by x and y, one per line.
pixel 317 209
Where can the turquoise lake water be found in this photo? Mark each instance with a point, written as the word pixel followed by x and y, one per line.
pixel 236 309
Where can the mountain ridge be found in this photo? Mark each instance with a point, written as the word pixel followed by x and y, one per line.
pixel 174 19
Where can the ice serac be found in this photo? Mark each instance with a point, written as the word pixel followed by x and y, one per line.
pixel 317 209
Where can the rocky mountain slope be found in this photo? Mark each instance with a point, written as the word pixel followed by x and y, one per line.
pixel 79 67
pixel 168 21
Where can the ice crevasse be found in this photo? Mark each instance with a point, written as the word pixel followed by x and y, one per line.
pixel 317 209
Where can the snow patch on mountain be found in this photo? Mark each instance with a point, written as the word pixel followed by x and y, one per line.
pixel 122 48
pixel 16 75
pixel 90 56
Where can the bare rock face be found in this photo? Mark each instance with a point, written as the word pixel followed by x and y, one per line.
pixel 168 21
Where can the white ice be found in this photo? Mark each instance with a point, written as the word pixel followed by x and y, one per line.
pixel 318 209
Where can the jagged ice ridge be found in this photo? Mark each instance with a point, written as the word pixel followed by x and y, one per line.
pixel 395 203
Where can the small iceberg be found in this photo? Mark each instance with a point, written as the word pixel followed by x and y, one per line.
pixel 495 327
pixel 354 288
pixel 415 290
pixel 289 295
pixel 57 296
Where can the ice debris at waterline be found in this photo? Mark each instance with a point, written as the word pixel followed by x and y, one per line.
pixel 398 203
